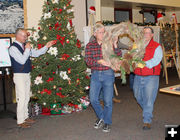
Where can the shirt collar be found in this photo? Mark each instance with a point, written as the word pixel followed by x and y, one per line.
pixel 95 41
pixel 19 43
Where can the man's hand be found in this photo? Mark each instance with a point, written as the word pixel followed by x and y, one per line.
pixel 28 45
pixel 134 46
pixel 141 65
pixel 103 62
pixel 50 43
pixel 115 40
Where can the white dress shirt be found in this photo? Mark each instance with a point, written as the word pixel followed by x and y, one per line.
pixel 22 58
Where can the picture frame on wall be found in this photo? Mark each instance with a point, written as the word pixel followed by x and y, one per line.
pixel 13 15
pixel 5 43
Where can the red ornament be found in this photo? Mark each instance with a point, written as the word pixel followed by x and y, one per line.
pixel 69 70
pixel 50 28
pixel 53 72
pixel 33 66
pixel 60 88
pixel 55 9
pixel 28 34
pixel 39 28
pixel 47 63
pixel 77 81
pixel 60 10
pixel 67 41
pixel 87 77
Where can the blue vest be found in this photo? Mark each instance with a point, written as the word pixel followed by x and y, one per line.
pixel 18 68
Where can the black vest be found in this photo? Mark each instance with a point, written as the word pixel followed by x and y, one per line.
pixel 18 68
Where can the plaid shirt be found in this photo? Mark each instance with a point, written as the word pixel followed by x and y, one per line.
pixel 93 53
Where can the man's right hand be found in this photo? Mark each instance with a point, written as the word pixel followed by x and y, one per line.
pixel 103 62
pixel 28 45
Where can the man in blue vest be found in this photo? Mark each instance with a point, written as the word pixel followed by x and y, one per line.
pixel 21 65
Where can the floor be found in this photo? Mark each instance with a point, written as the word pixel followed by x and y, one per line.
pixel 127 120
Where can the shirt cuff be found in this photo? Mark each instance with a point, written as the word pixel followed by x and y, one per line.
pixel 27 50
pixel 148 65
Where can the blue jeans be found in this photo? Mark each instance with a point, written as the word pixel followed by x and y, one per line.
pixel 102 80
pixel 145 91
pixel 131 80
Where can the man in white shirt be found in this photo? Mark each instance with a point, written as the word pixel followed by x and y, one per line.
pixel 20 54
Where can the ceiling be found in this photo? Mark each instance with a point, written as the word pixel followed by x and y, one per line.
pixel 130 5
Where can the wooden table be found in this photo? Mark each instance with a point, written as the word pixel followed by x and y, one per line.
pixel 171 90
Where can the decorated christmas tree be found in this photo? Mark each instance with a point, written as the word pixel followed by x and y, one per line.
pixel 58 76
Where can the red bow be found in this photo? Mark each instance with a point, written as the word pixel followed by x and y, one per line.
pixel 78 43
pixel 57 25
pixel 70 21
pixel 61 39
pixel 46 90
pixel 50 79
pixel 65 56
pixel 60 95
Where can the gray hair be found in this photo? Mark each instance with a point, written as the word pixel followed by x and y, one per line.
pixel 147 27
pixel 97 26
pixel 19 29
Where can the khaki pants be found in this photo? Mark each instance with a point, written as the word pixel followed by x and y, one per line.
pixel 22 87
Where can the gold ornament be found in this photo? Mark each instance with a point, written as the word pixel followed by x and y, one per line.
pixel 54 87
pixel 44 38
pixel 39 91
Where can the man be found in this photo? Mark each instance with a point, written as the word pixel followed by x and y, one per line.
pixel 102 78
pixel 21 66
pixel 146 81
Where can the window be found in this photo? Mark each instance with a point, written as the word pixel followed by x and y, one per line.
pixel 121 15
pixel 149 16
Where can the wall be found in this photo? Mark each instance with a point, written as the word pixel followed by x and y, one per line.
pixel 136 16
pixel 107 13
pixel 34 13
pixel 173 3
pixel 80 17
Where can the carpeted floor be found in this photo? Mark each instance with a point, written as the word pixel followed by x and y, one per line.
pixel 127 120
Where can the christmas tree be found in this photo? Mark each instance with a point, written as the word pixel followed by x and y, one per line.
pixel 58 76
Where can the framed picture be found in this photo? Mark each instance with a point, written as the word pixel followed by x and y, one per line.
pixel 13 15
pixel 5 43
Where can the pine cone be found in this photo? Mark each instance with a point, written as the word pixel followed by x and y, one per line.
pixel 126 66
pixel 128 56
pixel 134 66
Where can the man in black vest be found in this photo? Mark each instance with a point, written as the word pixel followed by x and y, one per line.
pixel 21 65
